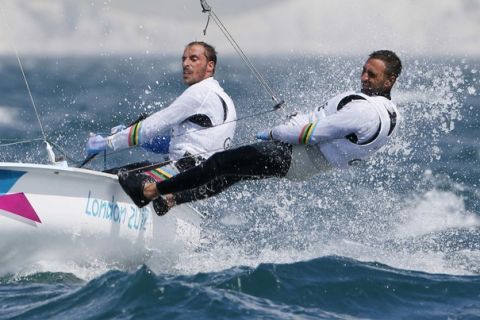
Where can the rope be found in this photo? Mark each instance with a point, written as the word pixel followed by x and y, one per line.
pixel 7 27
pixel 211 14
pixel 190 132
pixel 19 142
pixel 231 40
pixel 238 49
pixel 160 164
pixel 31 97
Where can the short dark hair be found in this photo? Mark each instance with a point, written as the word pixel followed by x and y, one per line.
pixel 392 61
pixel 210 52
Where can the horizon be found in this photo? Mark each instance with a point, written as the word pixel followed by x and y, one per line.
pixel 261 28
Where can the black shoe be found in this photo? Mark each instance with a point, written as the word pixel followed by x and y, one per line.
pixel 160 206
pixel 132 184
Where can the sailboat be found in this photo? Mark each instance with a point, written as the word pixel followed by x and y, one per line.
pixel 59 212
pixel 54 211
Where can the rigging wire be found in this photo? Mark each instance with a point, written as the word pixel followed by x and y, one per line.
pixel 211 14
pixel 17 142
pixel 167 161
pixel 32 101
pixel 279 103
pixel 31 96
pixel 189 132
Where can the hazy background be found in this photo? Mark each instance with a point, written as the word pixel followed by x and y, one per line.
pixel 261 27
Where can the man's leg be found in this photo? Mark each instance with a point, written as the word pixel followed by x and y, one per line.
pixel 206 191
pixel 259 160
pixel 223 169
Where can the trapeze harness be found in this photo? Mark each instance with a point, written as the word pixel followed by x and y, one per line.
pixel 308 160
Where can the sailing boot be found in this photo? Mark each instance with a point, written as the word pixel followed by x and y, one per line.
pixel 132 183
pixel 160 206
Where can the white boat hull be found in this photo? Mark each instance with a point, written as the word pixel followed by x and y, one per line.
pixel 54 212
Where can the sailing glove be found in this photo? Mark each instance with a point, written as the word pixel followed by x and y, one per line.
pixel 264 135
pixel 96 144
pixel 117 129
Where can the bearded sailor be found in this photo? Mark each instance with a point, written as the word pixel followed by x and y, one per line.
pixel 198 123
pixel 348 128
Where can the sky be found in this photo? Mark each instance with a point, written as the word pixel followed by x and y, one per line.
pixel 261 27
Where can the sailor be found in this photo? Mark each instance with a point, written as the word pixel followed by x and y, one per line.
pixel 345 130
pixel 198 123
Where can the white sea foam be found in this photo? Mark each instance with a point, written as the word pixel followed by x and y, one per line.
pixel 419 232
pixel 434 211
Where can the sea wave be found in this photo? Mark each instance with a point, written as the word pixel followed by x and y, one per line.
pixel 323 288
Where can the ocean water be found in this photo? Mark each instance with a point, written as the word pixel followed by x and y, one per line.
pixel 395 238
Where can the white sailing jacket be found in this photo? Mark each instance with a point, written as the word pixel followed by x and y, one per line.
pixel 200 122
pixel 348 128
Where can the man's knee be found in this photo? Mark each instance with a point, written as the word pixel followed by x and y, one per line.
pixel 224 163
pixel 214 164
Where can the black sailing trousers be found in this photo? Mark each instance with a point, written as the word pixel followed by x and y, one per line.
pixel 256 161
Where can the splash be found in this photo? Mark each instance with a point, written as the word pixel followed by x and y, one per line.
pixel 398 209
pixel 404 208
